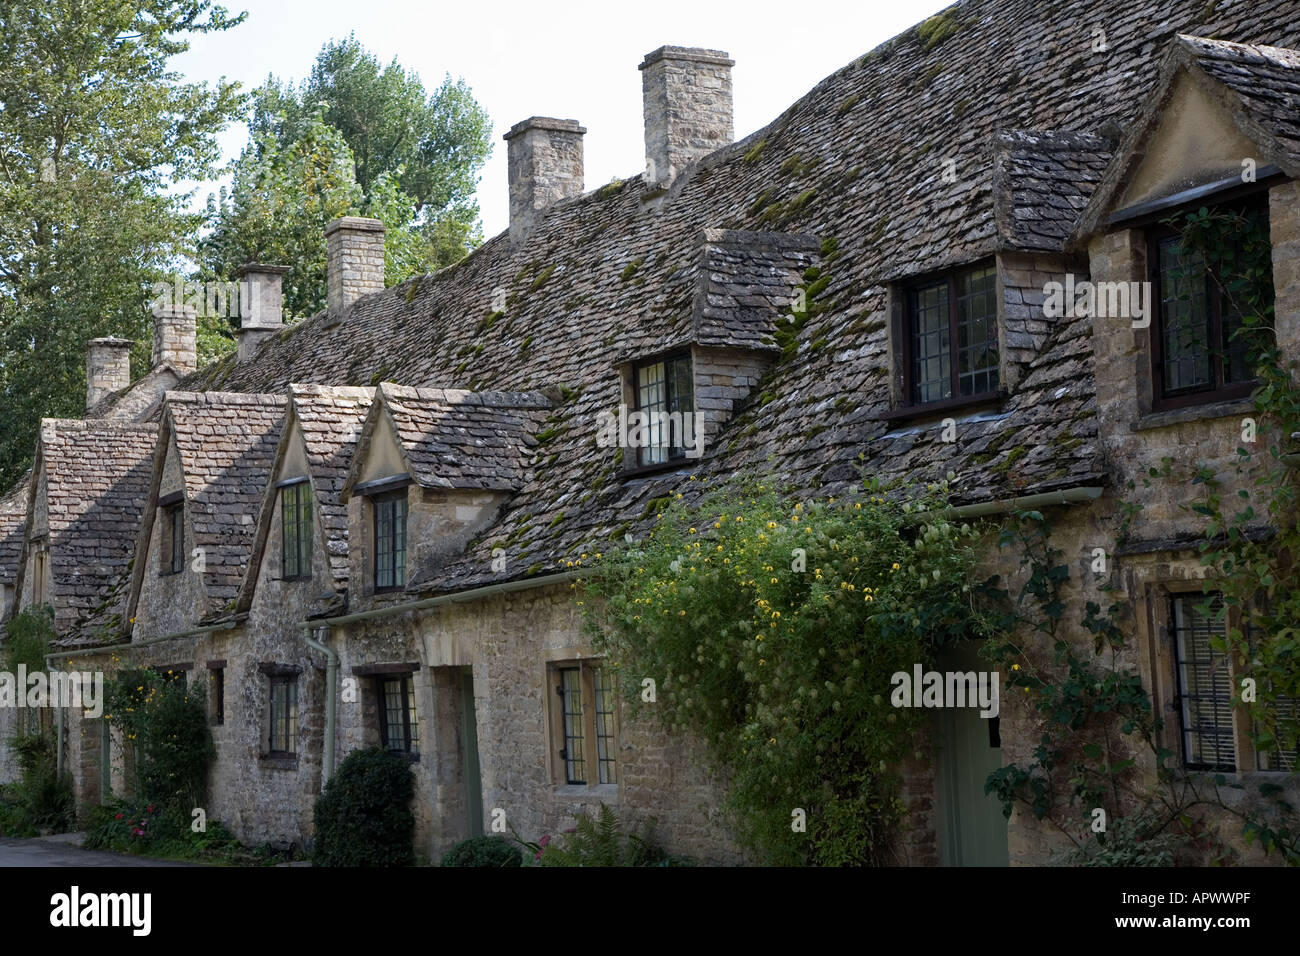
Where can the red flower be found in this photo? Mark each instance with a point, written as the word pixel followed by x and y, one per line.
pixel 149 809
pixel 544 841
pixel 118 817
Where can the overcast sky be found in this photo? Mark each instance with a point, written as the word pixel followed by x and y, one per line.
pixel 573 60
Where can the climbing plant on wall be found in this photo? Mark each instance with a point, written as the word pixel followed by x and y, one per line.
pixel 771 626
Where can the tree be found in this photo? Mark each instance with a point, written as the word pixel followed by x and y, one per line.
pixel 430 147
pixel 93 130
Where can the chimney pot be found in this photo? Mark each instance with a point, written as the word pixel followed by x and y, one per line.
pixel 545 161
pixel 354 261
pixel 686 97
pixel 108 368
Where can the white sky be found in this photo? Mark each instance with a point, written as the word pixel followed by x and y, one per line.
pixel 571 59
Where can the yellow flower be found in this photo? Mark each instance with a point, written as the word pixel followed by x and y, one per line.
pixel 868 598
pixel 895 567
pixel 692 531
pixel 1015 667
pixel 761 662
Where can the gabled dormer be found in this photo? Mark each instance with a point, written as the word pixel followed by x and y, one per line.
pixel 1219 132
pixel 299 561
pixel 433 468
pixel 679 386
pixel 87 488
pixel 210 467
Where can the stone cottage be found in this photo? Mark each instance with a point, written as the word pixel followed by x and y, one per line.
pixel 358 529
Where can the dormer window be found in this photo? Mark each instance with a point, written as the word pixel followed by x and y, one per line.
pixel 171 541
pixel 390 540
pixel 665 396
pixel 296 528
pixel 950 342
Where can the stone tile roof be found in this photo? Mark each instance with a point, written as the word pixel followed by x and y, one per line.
pixel 747 281
pixel 13 524
pixel 226 443
pixel 1042 180
pixel 1259 85
pixel 97 480
pixel 859 163
pixel 331 420
pixel 459 439
pixel 1266 83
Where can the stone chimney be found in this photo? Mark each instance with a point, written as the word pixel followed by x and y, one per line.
pixel 686 96
pixel 174 337
pixel 354 261
pixel 108 368
pixel 261 305
pixel 545 160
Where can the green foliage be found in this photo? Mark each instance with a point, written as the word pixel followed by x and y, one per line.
pixel 167 726
pixel 355 139
pixel 27 638
pixel 364 816
pixel 772 631
pixel 1135 840
pixel 483 851
pixel 150 829
pixel 41 800
pixel 95 130
pixel 601 841
pixel 1257 573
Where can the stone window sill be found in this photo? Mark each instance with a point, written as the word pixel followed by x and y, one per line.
pixel 605 792
pixel 1194 413
pixel 280 761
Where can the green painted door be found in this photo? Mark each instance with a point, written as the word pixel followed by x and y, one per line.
pixel 469 759
pixel 973 831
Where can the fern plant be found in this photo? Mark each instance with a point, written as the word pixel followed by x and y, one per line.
pixel 601 841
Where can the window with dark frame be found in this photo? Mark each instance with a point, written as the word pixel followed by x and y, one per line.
pixel 217 675
pixel 399 726
pixel 1203 682
pixel 664 387
pixel 296 528
pixel 390 540
pixel 1198 353
pixel 284 715
pixel 950 347
pixel 173 538
pixel 585 716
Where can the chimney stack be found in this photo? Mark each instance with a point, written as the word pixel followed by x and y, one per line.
pixel 108 368
pixel 354 261
pixel 686 96
pixel 545 160
pixel 261 305
pixel 174 337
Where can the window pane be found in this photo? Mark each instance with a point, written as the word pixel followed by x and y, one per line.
pixel 931 359
pixel 399 542
pixel 394 727
pixel 652 398
pixel 1204 687
pixel 977 331
pixel 605 743
pixel 289 523
pixel 575 767
pixel 1184 319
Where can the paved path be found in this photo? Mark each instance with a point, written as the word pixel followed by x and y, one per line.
pixel 54 852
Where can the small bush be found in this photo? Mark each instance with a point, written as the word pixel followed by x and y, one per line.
pixel 156 830
pixel 364 816
pixel 483 851
pixel 42 798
